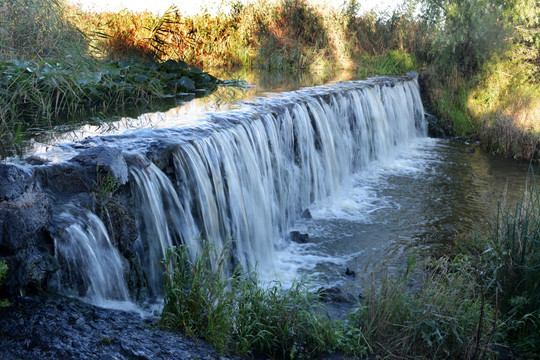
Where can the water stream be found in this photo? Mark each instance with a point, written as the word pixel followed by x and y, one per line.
pixel 355 154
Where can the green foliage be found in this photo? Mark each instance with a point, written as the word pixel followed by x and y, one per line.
pixel 443 316
pixel 391 62
pixel 235 314
pixel 517 251
pixel 484 60
pixel 3 273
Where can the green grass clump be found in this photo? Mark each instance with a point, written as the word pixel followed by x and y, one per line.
pixel 438 312
pixel 516 265
pixel 234 314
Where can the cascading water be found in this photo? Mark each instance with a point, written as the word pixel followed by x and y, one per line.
pixel 162 220
pixel 250 182
pixel 249 175
pixel 90 266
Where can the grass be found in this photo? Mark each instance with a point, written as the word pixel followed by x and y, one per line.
pixel 234 314
pixel 3 274
pixel 283 34
pixel 517 268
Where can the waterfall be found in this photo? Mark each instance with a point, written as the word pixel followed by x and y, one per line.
pixel 90 266
pixel 250 182
pixel 162 221
pixel 246 176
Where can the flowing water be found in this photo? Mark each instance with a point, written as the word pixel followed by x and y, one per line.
pixel 354 154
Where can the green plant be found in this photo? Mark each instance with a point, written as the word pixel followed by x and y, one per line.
pixel 103 189
pixel 234 313
pixel 517 247
pixel 436 312
pixel 3 273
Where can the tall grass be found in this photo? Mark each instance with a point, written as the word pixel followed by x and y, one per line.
pixel 517 245
pixel 39 29
pixel 436 311
pixel 235 314
pixel 282 34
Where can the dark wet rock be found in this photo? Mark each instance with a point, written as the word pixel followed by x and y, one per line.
pixel 14 181
pixel 62 328
pixel 35 269
pixel 22 220
pixel 439 128
pixel 36 160
pixel 306 214
pixel 350 273
pixel 106 159
pixel 66 178
pixel 298 237
pixel 335 294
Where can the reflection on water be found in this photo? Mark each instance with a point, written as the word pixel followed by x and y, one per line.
pixel 175 113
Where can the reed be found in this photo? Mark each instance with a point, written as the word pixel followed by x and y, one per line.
pixel 283 34
pixel 516 243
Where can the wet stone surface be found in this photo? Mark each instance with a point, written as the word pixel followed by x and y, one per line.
pixel 63 328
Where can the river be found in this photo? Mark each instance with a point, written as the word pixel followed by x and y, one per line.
pixel 417 198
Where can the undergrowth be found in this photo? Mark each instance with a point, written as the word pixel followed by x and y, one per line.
pixel 437 308
pixel 234 313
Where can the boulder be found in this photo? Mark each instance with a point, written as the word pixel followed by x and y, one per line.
pixel 306 214
pixel 22 220
pixel 298 237
pixel 35 269
pixel 104 158
pixel 14 181
pixel 335 294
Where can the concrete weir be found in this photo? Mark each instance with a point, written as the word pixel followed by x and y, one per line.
pixel 96 223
